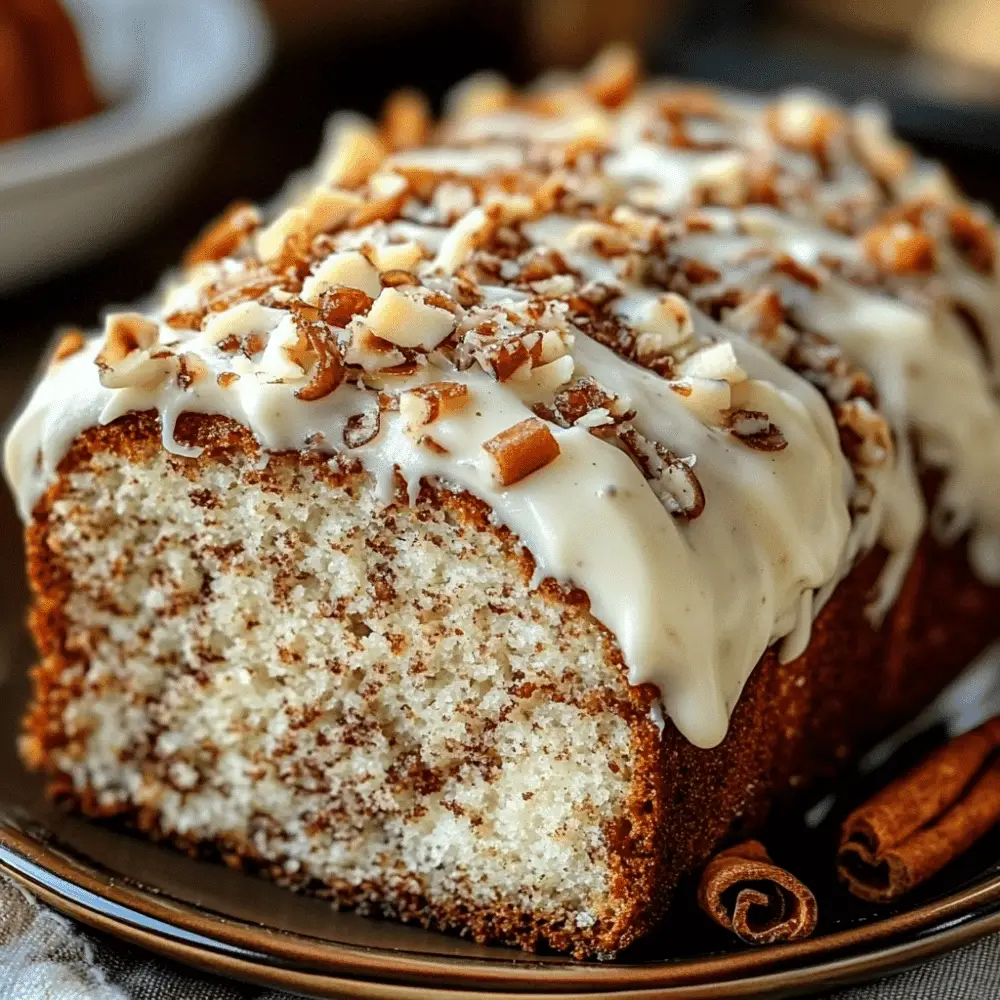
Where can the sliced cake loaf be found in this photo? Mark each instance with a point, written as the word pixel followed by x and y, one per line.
pixel 511 517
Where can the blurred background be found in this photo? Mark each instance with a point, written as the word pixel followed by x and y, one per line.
pixel 199 102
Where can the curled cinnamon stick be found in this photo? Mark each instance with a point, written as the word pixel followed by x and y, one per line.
pixel 742 890
pixel 917 824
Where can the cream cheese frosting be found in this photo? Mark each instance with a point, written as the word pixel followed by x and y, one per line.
pixel 566 306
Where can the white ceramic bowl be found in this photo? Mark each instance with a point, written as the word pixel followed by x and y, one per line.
pixel 168 69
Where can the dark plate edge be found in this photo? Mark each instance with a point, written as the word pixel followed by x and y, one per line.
pixel 792 982
pixel 267 955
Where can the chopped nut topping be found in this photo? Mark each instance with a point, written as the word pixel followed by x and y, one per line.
pixel 371 352
pixel 70 343
pixel 426 441
pixel 585 396
pixel 395 256
pixel 759 317
pixel 521 450
pixel 886 157
pixel 324 358
pixel 899 248
pixel 972 237
pixel 802 123
pixel 423 405
pixel 398 279
pixel 406 119
pixel 362 429
pixel 717 361
pixel 225 235
pixel 707 398
pixel 339 306
pixel 755 430
pixel 602 239
pixel 407 321
pixel 664 324
pixel 870 441
pixel 125 333
pixel 613 76
pixel 348 268
pixel 672 478
pixel 408 264
pixel 191 370
pixel 356 153
pixel 790 267
pixel 505 359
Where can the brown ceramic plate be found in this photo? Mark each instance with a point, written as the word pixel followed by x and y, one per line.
pixel 211 917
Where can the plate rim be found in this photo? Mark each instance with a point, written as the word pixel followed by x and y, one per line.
pixel 196 936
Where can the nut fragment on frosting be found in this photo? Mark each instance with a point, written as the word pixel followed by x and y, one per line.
pixel 350 268
pixel 70 343
pixel 406 119
pixel 803 122
pixel 899 248
pixel 423 405
pixel 355 152
pixel 520 450
pixel 671 478
pixel 224 236
pixel 405 320
pixel 125 358
pixel 663 324
pixel 755 430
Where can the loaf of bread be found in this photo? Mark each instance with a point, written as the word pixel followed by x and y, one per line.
pixel 524 506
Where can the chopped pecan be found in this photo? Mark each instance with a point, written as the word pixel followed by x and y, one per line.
pixel 541 263
pixel 426 441
pixel 338 306
pixel 583 397
pixel 70 343
pixel 327 368
pixel 759 316
pixel 191 370
pixel 125 333
pixel 790 267
pixel 362 428
pixel 398 278
pixel 521 450
pixel 696 272
pixel 671 478
pixel 185 319
pixel 754 429
pixel 426 403
pixel 899 248
pixel 406 119
pixel 865 434
pixel 972 236
pixel 225 235
pixel 613 75
pixel 802 123
pixel 503 359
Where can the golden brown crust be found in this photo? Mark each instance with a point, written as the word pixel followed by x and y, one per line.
pixel 793 723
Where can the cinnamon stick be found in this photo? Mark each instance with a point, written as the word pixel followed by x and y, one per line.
pixel 743 891
pixel 919 823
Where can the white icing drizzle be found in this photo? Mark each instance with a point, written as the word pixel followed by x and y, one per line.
pixel 693 604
